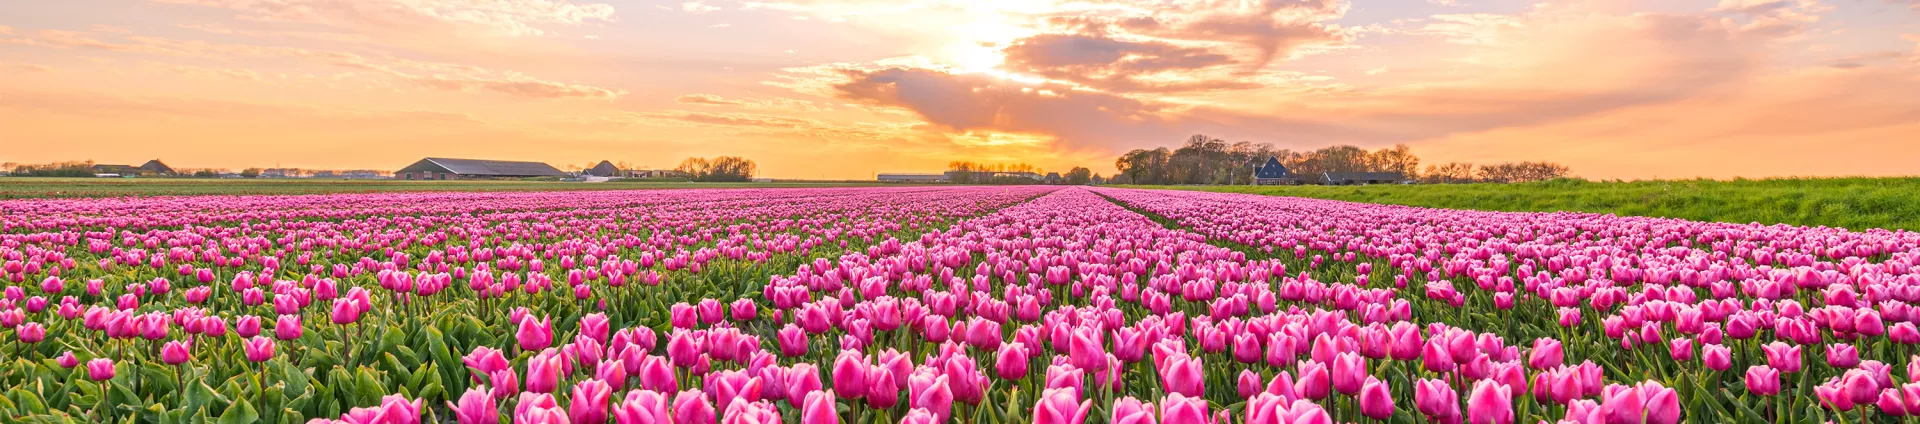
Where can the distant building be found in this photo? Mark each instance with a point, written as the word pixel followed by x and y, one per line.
pixel 282 173
pixel 605 169
pixel 1361 178
pixel 653 173
pixel 913 178
pixel 153 168
pixel 1273 173
pixel 1054 178
pixel 982 176
pixel 462 169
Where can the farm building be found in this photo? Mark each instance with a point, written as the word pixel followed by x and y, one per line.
pixel 1273 173
pixel 605 169
pixel 1361 178
pixel 913 178
pixel 463 169
pixel 654 173
pixel 151 168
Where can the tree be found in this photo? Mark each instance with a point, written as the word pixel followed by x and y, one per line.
pixel 1398 158
pixel 1079 176
pixel 1520 172
pixel 250 173
pixel 695 168
pixel 719 169
pixel 1449 173
pixel 1142 166
pixel 731 169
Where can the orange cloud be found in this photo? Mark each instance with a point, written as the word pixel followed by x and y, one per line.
pixel 504 17
pixel 517 86
pixel 705 99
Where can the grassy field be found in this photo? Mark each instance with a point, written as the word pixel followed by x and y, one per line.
pixel 1853 203
pixel 16 188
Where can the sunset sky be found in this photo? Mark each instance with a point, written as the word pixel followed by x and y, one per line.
pixel 1627 89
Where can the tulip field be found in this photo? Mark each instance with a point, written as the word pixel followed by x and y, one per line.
pixel 937 304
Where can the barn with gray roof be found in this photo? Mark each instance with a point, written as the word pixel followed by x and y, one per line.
pixel 464 169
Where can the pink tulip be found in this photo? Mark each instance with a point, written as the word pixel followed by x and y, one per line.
pixel 31 332
pixel 259 349
pixel 1177 408
pixel 1249 383
pixel 731 386
pixel 545 371
pixel 595 326
pixel 247 326
pixel 883 391
pixel 1011 362
pixel 67 360
pixel 1314 383
pixel 1663 404
pixel 287 327
pixel 1783 357
pixel 538 408
pixel 743 310
pixel 1680 349
pixel 819 408
pixel 1860 386
pixel 535 335
pixel 657 374
pixel 484 361
pixel 1763 380
pixel 793 341
pixel 920 416
pixel 850 371
pixel 1061 406
pixel 691 407
pixel 1128 410
pixel 1490 403
pixel 1834 396
pixel 344 312
pixel 642 407
pixel 476 407
pixel 1376 399
pixel 175 353
pixel 100 369
pixel 1348 373
pixel 1716 357
pixel 930 391
pixel 1184 375
pixel 588 405
pixel 1842 355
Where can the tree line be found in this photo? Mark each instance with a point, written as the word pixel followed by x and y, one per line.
pixel 965 172
pixel 723 169
pixel 1208 160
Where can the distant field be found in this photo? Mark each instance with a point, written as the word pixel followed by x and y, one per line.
pixel 16 188
pixel 1853 203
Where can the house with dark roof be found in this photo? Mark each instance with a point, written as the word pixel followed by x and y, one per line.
pixel 605 169
pixel 465 169
pixel 1273 173
pixel 151 168
pixel 155 167
pixel 1361 178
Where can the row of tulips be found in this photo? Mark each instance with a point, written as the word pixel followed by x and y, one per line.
pixel 201 309
pixel 1101 305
